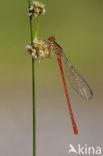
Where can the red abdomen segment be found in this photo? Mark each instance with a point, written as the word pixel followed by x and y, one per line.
pixel 67 96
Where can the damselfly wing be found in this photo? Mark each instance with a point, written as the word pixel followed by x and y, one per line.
pixel 76 81
pixel 74 78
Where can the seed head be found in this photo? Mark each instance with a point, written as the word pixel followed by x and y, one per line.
pixel 37 8
pixel 39 49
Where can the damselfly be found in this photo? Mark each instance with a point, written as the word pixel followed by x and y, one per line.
pixel 76 81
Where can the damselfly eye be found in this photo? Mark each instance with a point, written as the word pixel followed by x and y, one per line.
pixel 51 38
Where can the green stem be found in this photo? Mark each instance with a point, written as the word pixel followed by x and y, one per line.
pixel 33 83
pixel 31 28
pixel 34 108
pixel 33 80
pixel 37 28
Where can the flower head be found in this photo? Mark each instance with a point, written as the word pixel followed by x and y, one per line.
pixel 39 49
pixel 37 8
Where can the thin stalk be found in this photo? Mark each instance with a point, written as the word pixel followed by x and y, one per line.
pixel 33 79
pixel 31 28
pixel 37 28
pixel 33 83
pixel 34 108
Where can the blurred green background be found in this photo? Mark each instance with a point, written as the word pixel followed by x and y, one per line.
pixel 78 28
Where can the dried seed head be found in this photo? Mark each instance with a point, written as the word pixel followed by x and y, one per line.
pixel 39 49
pixel 37 8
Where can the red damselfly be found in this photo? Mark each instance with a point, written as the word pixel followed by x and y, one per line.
pixel 77 82
pixel 42 49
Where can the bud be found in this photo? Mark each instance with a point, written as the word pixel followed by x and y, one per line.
pixel 39 49
pixel 37 8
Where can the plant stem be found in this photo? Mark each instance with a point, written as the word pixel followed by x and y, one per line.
pixel 33 80
pixel 33 90
pixel 31 28
pixel 33 83
pixel 37 28
pixel 34 108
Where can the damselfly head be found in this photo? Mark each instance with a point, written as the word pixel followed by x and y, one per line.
pixel 37 8
pixel 39 49
pixel 51 38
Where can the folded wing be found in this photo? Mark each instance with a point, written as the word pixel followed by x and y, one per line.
pixel 76 81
